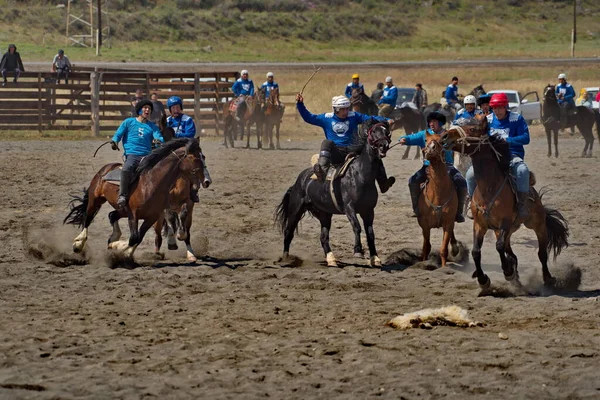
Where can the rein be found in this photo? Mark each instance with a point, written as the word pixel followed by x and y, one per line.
pixel 466 141
pixel 375 142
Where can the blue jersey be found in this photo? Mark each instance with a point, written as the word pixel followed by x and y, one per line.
pixel 451 94
pixel 339 131
pixel 351 86
pixel 567 91
pixel 183 126
pixel 137 136
pixel 420 139
pixel 513 129
pixel 467 115
pixel 268 86
pixel 389 96
pixel 243 86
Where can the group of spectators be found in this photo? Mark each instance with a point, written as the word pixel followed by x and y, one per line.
pixel 11 63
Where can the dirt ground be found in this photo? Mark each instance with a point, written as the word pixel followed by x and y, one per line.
pixel 240 325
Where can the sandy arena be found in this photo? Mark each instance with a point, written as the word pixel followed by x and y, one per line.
pixel 240 325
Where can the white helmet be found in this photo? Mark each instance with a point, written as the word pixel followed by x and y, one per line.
pixel 562 76
pixel 470 99
pixel 244 72
pixel 388 79
pixel 270 75
pixel 340 102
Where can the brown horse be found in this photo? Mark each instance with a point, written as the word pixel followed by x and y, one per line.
pixel 154 177
pixel 362 103
pixel 252 116
pixel 494 204
pixel 273 115
pixel 439 202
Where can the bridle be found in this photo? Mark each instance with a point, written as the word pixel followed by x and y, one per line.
pixel 466 141
pixel 386 139
pixel 194 170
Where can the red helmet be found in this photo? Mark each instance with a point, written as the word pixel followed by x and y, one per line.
pixel 499 100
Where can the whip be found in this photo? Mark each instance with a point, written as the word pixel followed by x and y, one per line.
pixel 102 145
pixel 309 79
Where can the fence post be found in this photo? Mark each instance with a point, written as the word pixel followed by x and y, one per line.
pixel 40 108
pixel 197 102
pixel 95 101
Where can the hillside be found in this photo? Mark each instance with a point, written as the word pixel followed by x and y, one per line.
pixel 290 30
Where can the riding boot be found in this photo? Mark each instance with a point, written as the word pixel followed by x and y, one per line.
pixel 124 189
pixel 522 209
pixel 415 192
pixel 462 197
pixel 320 169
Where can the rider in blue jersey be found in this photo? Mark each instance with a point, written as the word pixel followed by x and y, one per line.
pixel 341 132
pixel 242 88
pixel 565 94
pixel 137 135
pixel 355 84
pixel 436 122
pixel 451 94
pixel 387 102
pixel 512 128
pixel 183 127
pixel 470 109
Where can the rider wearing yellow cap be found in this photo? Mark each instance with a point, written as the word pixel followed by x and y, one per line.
pixel 355 84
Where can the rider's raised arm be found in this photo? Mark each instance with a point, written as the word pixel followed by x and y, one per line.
pixel 312 119
pixel 416 139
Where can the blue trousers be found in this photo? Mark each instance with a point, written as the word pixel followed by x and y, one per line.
pixel 518 169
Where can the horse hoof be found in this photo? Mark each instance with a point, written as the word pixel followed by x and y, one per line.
pixel 550 282
pixel 77 248
pixel 514 276
pixel 359 255
pixel 331 261
pixel 191 257
pixel 556 155
pixel 549 154
pixel 172 246
pixel 486 285
pixel 375 262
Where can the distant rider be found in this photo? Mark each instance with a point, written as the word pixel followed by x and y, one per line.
pixel 388 99
pixel 242 88
pixel 565 94
pixel 355 84
pixel 451 94
pixel 470 109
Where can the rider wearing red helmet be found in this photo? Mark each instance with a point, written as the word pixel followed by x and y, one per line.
pixel 509 126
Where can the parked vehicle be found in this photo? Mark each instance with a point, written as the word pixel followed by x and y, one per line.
pixel 593 92
pixel 528 106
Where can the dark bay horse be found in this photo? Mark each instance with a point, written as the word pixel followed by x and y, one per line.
pixel 253 116
pixel 273 115
pixel 411 120
pixel 354 194
pixel 439 201
pixel 362 103
pixel 494 204
pixel 584 119
pixel 154 177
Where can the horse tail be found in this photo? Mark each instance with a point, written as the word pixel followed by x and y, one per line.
pixel 282 214
pixel 78 209
pixel 558 231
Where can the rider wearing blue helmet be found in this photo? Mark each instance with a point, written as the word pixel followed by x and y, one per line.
pixel 484 103
pixel 183 127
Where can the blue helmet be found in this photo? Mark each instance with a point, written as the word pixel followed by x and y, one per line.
pixel 174 100
pixel 484 98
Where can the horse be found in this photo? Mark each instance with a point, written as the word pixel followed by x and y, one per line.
pixel 149 197
pixel 411 120
pixel 494 205
pixel 352 194
pixel 584 119
pixel 438 203
pixel 252 116
pixel 273 115
pixel 478 91
pixel 362 103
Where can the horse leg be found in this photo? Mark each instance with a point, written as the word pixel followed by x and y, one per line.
pixel 542 237
pixel 453 244
pixel 171 226
pixel 91 208
pixel 259 135
pixel 589 154
pixel 448 234
pixel 417 153
pixel 139 236
pixel 114 218
pixel 181 231
pixel 277 126
pixel 426 243
pixel 351 214
pixel 511 256
pixel 368 218
pixel 325 220
pixel 478 235
pixel 244 126
pixel 186 221
pixel 158 234
pixel 405 155
pixel 549 137
pixel 501 239
pixel 295 210
pixel 556 143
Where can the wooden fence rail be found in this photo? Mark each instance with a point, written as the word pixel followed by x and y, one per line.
pixel 100 99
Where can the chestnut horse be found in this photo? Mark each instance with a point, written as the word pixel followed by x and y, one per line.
pixel 494 204
pixel 439 201
pixel 149 197
pixel 273 115
pixel 252 116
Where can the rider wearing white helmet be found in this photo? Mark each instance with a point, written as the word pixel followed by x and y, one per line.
pixel 242 88
pixel 269 85
pixel 565 94
pixel 387 102
pixel 341 132
pixel 470 109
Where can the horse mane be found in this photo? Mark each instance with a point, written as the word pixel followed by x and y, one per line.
pixel 163 151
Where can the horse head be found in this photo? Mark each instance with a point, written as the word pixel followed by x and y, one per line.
pixel 549 92
pixel 273 95
pixel 434 150
pixel 167 132
pixel 478 91
pixel 379 136
pixel 193 161
pixel 260 95
pixel 464 133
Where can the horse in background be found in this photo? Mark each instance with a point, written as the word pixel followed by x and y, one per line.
pixel 253 115
pixel 494 202
pixel 411 120
pixel 362 103
pixel 273 112
pixel 584 119
pixel 438 202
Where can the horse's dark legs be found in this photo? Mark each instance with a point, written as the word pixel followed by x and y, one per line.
pixel 93 205
pixel 351 214
pixel 171 228
pixel 325 220
pixel 405 155
pixel 183 214
pixel 478 235
pixel 295 209
pixel 368 222
pixel 133 231
pixel 259 135
pixel 549 137
pixel 417 153
pixel 158 234
pixel 186 222
pixel 501 239
pixel 556 143
pixel 542 236
pixel 426 244
pixel 511 256
pixel 277 126
pixel 114 218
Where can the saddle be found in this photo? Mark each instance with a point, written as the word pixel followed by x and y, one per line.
pixel 334 171
pixel 236 103
pixel 113 177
